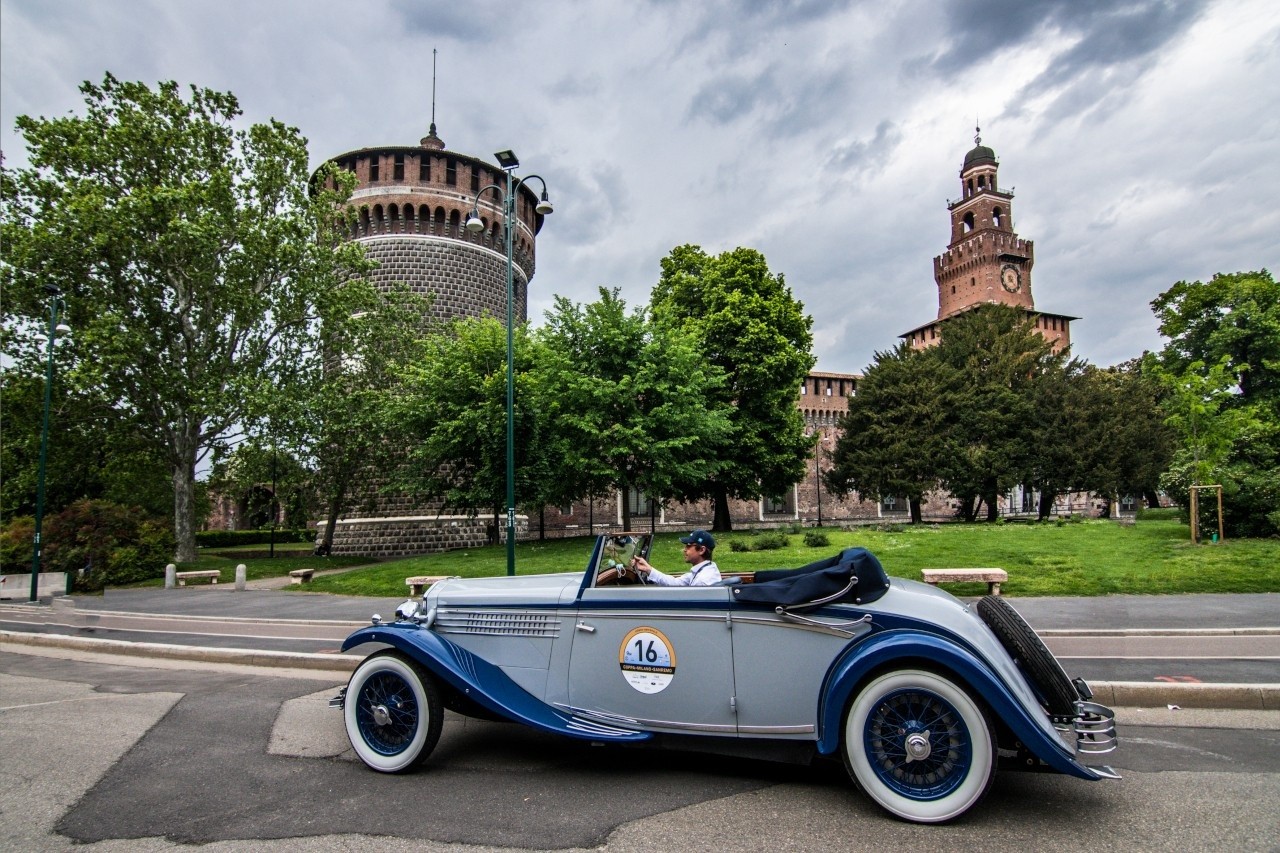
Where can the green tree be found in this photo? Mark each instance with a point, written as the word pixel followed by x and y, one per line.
pixel 992 358
pixel 744 321
pixel 1221 371
pixel 1117 433
pixel 270 479
pixel 892 438
pixel 1234 316
pixel 339 419
pixel 197 260
pixel 92 454
pixel 629 406
pixel 453 414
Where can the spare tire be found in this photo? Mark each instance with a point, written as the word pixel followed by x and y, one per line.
pixel 1038 663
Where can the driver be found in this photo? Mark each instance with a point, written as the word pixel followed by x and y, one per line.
pixel 698 546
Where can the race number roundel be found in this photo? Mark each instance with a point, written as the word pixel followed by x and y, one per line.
pixel 648 660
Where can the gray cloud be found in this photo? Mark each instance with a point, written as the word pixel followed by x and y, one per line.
pixel 1141 136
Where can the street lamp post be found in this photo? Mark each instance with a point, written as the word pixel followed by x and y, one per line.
pixel 56 306
pixel 508 162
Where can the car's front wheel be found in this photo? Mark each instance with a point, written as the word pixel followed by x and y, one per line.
pixel 393 712
pixel 919 746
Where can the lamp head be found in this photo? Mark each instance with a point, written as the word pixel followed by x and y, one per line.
pixel 474 224
pixel 507 160
pixel 544 206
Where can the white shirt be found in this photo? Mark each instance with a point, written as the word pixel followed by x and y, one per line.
pixel 705 573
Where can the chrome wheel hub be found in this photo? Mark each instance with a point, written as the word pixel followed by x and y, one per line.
pixel 381 716
pixel 917 746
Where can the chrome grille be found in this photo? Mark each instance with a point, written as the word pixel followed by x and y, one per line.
pixel 497 623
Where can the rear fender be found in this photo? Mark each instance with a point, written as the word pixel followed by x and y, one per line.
pixel 913 649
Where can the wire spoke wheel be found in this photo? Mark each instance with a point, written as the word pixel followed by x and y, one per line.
pixel 393 712
pixel 919 746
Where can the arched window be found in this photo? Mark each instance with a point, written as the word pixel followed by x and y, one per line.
pixel 393 218
pixel 494 236
pixel 982 182
pixel 364 222
pixel 453 224
pixel 424 219
pixel 437 226
pixel 968 188
pixel 997 217
pixel 378 221
pixel 968 222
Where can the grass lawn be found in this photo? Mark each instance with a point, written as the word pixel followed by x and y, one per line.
pixel 1093 557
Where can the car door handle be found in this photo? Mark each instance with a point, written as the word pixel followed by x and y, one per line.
pixel 583 626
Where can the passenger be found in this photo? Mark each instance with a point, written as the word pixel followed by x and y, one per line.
pixel 698 546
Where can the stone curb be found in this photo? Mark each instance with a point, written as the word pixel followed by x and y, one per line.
pixel 1135 694
pixel 1158 632
pixel 340 664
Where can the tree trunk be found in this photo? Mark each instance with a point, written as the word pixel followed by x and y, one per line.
pixel 1153 499
pixel 624 496
pixel 184 511
pixel 335 509
pixel 1046 504
pixel 914 503
pixel 993 502
pixel 721 522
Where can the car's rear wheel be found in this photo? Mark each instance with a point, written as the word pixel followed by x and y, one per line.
pixel 1024 644
pixel 919 746
pixel 393 712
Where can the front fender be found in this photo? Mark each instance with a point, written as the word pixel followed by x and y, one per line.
pixel 484 683
pixel 910 648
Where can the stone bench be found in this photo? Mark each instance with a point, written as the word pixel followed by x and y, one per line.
pixel 301 575
pixel 211 574
pixel 991 577
pixel 419 584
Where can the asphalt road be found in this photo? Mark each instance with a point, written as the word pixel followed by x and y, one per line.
pixel 150 757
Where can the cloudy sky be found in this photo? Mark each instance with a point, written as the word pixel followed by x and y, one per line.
pixel 1141 139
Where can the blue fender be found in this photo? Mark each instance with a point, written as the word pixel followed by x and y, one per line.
pixel 485 684
pixel 914 647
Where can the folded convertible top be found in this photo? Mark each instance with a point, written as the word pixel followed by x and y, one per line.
pixel 820 580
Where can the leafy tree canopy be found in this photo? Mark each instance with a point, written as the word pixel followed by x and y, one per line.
pixel 891 438
pixel 1235 316
pixel 744 320
pixel 196 260
pixel 630 403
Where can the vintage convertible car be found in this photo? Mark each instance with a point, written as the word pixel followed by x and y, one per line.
pixel 921 695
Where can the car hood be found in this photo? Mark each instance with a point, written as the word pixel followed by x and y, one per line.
pixel 522 590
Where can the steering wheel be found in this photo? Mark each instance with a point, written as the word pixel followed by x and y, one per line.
pixel 617 574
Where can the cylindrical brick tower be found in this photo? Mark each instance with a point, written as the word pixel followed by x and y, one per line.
pixel 412 205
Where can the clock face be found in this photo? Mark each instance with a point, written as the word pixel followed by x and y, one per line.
pixel 1010 278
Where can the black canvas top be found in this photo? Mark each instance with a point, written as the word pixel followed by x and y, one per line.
pixel 791 587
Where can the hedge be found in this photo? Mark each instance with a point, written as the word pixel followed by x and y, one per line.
pixel 224 538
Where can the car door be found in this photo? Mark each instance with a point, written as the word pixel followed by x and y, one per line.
pixel 656 657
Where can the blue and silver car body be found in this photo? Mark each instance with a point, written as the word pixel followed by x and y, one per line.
pixel 909 685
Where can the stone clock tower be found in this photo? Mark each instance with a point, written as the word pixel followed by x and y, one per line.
pixel 986 261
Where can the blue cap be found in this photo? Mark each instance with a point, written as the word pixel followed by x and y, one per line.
pixel 700 537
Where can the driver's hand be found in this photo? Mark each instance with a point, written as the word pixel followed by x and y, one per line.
pixel 640 564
